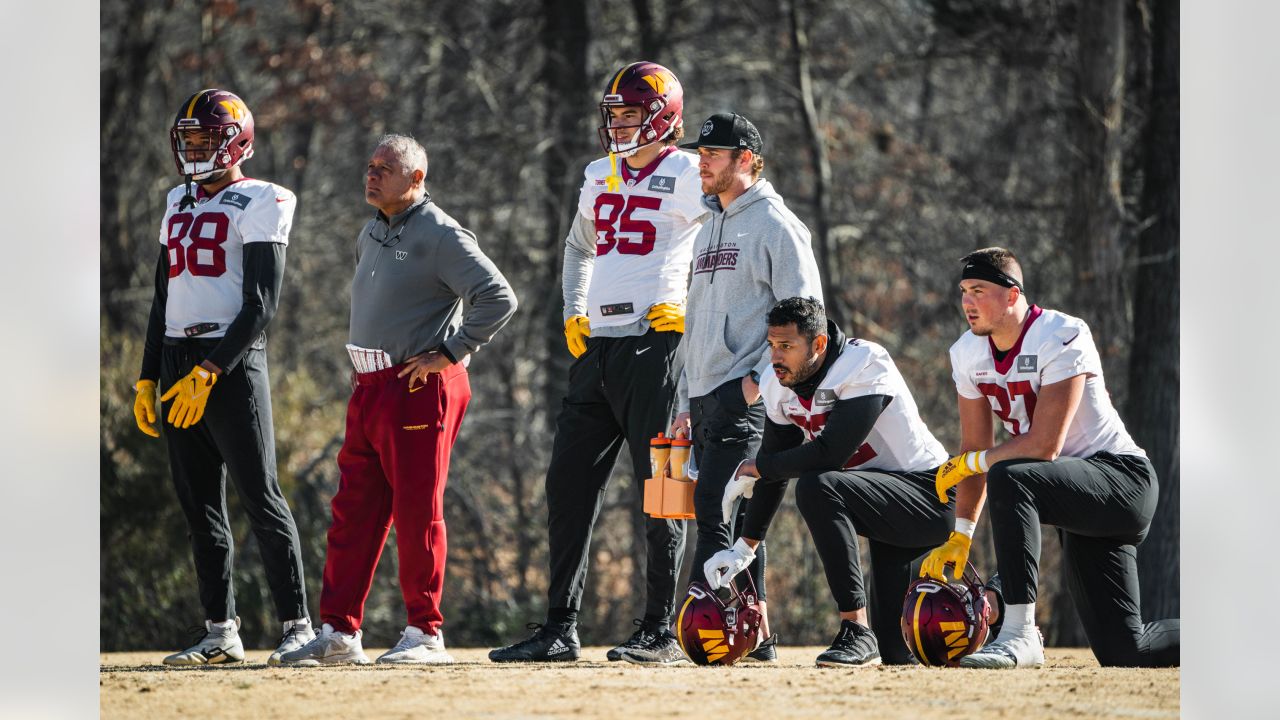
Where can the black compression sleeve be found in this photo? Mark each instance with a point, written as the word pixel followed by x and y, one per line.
pixel 263 275
pixel 770 489
pixel 847 427
pixel 155 324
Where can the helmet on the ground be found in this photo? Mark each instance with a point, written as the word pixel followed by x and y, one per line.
pixel 944 621
pixel 712 631
pixel 658 94
pixel 227 129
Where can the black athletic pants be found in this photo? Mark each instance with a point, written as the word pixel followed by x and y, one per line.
pixel 235 432
pixel 619 389
pixel 1102 507
pixel 899 513
pixel 726 431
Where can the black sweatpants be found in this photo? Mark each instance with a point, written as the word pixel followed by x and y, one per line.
pixel 899 513
pixel 726 431
pixel 1102 506
pixel 620 389
pixel 235 433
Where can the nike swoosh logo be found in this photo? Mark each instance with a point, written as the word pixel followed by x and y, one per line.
pixel 282 199
pixel 1073 337
pixel 413 389
pixel 641 352
pixel 743 234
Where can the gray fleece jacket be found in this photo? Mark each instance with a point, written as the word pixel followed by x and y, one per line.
pixel 746 258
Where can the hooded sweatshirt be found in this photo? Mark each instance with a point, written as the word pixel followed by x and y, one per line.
pixel 746 258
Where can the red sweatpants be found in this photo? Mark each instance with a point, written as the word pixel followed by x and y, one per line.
pixel 394 463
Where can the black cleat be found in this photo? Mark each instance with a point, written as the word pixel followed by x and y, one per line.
pixel 855 645
pixel 662 649
pixel 549 643
pixel 638 640
pixel 766 651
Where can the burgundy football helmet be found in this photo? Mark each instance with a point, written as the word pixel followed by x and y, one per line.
pixel 714 632
pixel 942 622
pixel 229 133
pixel 656 91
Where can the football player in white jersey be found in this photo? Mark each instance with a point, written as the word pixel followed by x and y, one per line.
pixel 222 254
pixel 1069 463
pixel 842 420
pixel 626 266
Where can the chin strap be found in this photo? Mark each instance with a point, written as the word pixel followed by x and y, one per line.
pixel 188 200
pixel 614 181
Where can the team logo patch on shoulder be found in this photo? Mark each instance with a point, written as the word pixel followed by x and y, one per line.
pixel 235 198
pixel 662 183
pixel 824 396
pixel 1026 363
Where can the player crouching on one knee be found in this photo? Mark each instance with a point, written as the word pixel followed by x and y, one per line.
pixel 1069 463
pixel 841 419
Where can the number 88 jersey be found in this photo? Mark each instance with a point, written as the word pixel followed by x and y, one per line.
pixel 644 234
pixel 1053 347
pixel 206 249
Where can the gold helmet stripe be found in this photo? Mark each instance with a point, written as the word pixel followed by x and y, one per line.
pixel 614 89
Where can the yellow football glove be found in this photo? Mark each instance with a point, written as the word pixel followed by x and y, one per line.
pixel 189 397
pixel 667 317
pixel 576 331
pixel 954 550
pixel 144 407
pixel 957 469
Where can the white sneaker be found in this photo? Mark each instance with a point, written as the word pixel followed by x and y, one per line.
pixel 417 648
pixel 330 647
pixel 217 645
pixel 1020 651
pixel 296 634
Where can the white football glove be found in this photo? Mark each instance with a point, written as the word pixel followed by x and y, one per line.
pixel 742 486
pixel 726 564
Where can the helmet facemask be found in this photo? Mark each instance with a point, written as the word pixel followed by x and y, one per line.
pixel 644 132
pixel 202 155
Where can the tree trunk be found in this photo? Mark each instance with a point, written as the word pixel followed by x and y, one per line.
pixel 821 164
pixel 1095 222
pixel 1153 370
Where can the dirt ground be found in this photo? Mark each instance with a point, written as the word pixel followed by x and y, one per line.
pixel 1071 685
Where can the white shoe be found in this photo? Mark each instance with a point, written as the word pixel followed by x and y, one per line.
pixel 296 634
pixel 417 648
pixel 1023 650
pixel 217 645
pixel 330 647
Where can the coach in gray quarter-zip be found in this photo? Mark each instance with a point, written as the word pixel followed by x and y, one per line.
pixel 752 253
pixel 424 298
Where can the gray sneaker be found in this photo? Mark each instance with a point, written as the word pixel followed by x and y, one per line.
pixel 296 633
pixel 214 646
pixel 661 649
pixel 330 647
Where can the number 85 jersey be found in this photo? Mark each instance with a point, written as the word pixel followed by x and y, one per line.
pixel 1053 347
pixel 644 235
pixel 206 249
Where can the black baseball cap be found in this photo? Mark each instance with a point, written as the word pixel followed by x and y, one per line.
pixel 728 131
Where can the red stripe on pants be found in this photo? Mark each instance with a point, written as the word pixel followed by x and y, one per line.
pixel 394 464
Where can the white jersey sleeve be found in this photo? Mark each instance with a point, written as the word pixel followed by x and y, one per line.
pixel 874 373
pixel 270 219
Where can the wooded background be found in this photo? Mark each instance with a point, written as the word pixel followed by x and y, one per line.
pixel 903 132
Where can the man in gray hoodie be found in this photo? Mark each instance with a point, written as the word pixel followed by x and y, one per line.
pixel 752 253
